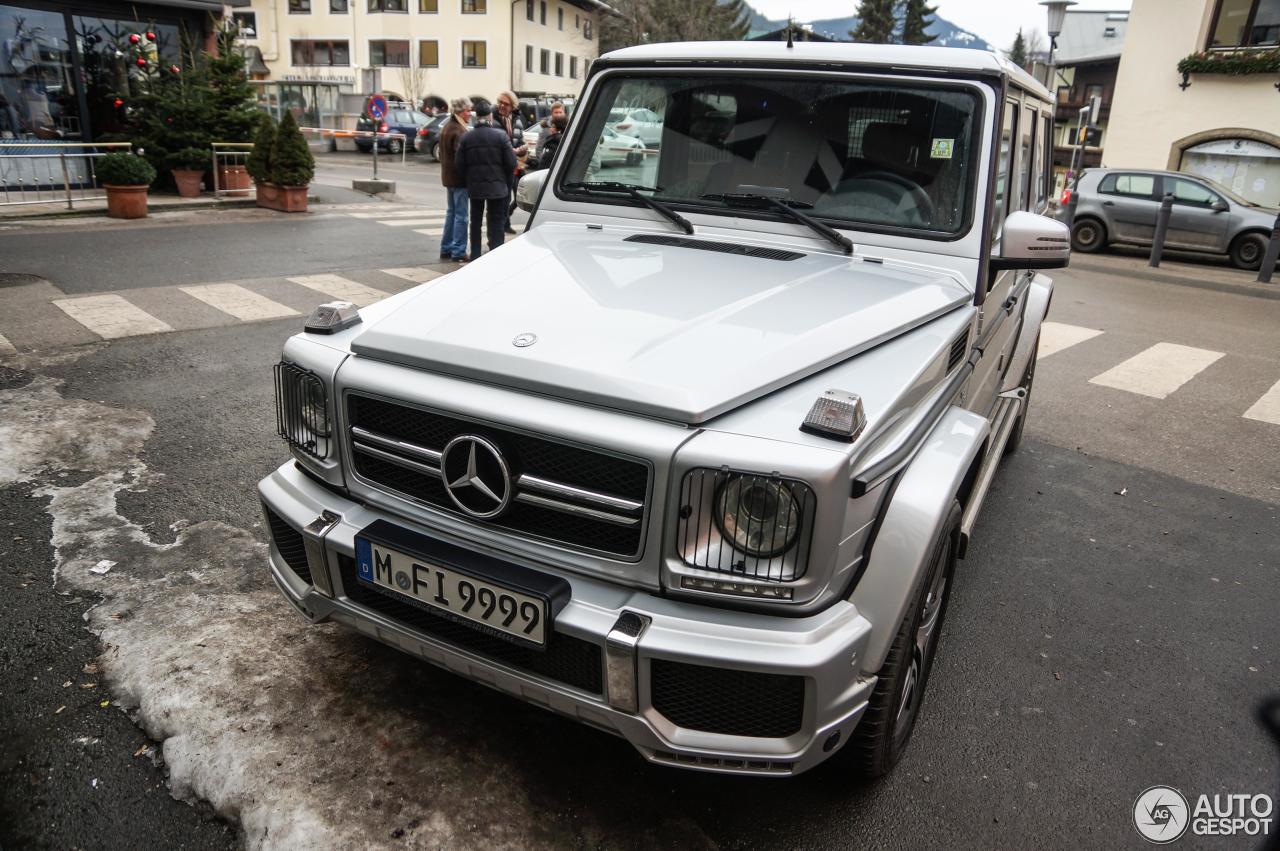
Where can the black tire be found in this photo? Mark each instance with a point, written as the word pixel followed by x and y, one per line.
pixel 394 146
pixel 435 151
pixel 1247 251
pixel 1028 379
pixel 1088 235
pixel 882 735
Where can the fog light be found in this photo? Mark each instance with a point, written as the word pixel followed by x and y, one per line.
pixel 741 589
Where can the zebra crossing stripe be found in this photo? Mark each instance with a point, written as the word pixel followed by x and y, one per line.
pixel 1266 409
pixel 6 348
pixel 1158 371
pixel 394 214
pixel 339 287
pixel 1056 336
pixel 417 274
pixel 430 231
pixel 111 316
pixel 239 302
pixel 404 223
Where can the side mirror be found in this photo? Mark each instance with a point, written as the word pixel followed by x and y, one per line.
pixel 1219 206
pixel 1032 242
pixel 529 188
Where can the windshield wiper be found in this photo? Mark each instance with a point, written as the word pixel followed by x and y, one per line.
pixel 615 187
pixel 788 208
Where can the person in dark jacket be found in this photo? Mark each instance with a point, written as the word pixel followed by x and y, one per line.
pixel 486 160
pixel 453 242
pixel 552 143
pixel 506 116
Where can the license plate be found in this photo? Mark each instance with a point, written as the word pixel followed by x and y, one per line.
pixel 461 596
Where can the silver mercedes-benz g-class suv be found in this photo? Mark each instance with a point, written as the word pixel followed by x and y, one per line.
pixel 692 459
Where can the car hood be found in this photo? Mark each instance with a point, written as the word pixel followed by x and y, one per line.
pixel 667 331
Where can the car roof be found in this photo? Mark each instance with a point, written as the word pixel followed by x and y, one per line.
pixel 896 56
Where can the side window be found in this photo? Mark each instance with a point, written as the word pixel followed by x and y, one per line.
pixel 1189 192
pixel 1008 129
pixel 1133 185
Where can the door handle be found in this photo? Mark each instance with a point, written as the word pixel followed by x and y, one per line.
pixel 1108 203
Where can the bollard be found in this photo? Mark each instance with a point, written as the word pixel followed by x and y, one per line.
pixel 1162 227
pixel 1273 254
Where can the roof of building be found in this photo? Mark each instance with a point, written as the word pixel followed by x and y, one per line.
pixel 836 53
pixel 1091 35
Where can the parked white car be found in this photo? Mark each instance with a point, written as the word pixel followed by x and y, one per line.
pixel 642 123
pixel 704 480
pixel 616 149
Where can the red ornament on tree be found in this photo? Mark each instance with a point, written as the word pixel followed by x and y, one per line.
pixel 134 38
pixel 151 36
pixel 117 103
pixel 142 63
pixel 174 69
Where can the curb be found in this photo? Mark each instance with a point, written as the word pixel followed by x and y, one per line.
pixel 151 208
pixel 1244 288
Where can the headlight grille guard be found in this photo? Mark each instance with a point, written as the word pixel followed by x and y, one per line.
pixel 294 387
pixel 703 544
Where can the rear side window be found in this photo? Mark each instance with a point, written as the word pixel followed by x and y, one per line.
pixel 1139 185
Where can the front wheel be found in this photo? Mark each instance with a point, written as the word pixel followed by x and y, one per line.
pixel 1248 250
pixel 394 146
pixel 882 735
pixel 1087 235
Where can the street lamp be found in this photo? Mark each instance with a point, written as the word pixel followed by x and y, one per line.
pixel 1057 11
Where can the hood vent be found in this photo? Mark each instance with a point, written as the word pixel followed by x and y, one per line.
pixel 722 247
pixel 959 348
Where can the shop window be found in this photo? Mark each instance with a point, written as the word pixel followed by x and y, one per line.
pixel 473 54
pixel 1245 23
pixel 37 88
pixel 389 54
pixel 429 54
pixel 107 61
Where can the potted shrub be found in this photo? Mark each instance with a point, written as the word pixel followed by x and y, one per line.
pixel 292 165
pixel 188 166
pixel 261 164
pixel 126 178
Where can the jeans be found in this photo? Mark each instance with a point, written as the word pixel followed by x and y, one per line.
pixel 494 211
pixel 453 243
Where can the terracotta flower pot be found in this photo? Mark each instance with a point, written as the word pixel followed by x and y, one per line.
pixel 188 181
pixel 233 179
pixel 126 202
pixel 267 194
pixel 286 199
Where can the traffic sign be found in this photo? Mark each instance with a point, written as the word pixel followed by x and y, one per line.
pixel 377 107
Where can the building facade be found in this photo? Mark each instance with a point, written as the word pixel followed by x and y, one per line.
pixel 421 49
pixel 1219 125
pixel 68 67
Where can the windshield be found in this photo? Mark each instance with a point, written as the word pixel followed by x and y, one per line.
pixel 856 153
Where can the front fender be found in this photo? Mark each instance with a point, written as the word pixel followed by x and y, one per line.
pixel 1038 296
pixel 911 523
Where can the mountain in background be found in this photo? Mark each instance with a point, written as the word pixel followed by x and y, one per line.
pixel 948 34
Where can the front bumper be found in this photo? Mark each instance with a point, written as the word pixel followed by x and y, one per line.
pixel 821 651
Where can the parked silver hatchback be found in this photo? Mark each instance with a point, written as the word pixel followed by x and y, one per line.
pixel 1121 205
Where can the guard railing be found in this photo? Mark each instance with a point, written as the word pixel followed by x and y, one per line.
pixel 40 172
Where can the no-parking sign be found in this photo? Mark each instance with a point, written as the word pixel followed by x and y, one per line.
pixel 377 107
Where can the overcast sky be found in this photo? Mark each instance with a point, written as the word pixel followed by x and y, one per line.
pixel 997 21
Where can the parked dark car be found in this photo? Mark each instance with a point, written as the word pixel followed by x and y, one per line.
pixel 400 119
pixel 429 136
pixel 1119 206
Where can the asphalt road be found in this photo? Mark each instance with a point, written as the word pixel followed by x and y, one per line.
pixel 1114 626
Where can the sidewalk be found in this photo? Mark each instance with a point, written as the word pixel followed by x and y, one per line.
pixel 158 203
pixel 1203 274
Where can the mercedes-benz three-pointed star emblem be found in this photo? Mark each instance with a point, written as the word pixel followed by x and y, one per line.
pixel 476 476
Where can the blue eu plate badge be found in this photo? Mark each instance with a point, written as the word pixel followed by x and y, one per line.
pixel 364 559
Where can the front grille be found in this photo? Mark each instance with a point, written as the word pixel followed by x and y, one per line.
pixel 565 659
pixel 583 498
pixel 288 541
pixel 729 702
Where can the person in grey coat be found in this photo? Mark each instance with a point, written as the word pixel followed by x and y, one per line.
pixel 486 161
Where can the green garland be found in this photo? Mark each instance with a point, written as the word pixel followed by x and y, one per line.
pixel 1233 64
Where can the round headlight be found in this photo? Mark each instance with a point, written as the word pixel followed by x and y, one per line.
pixel 760 516
pixel 315 412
